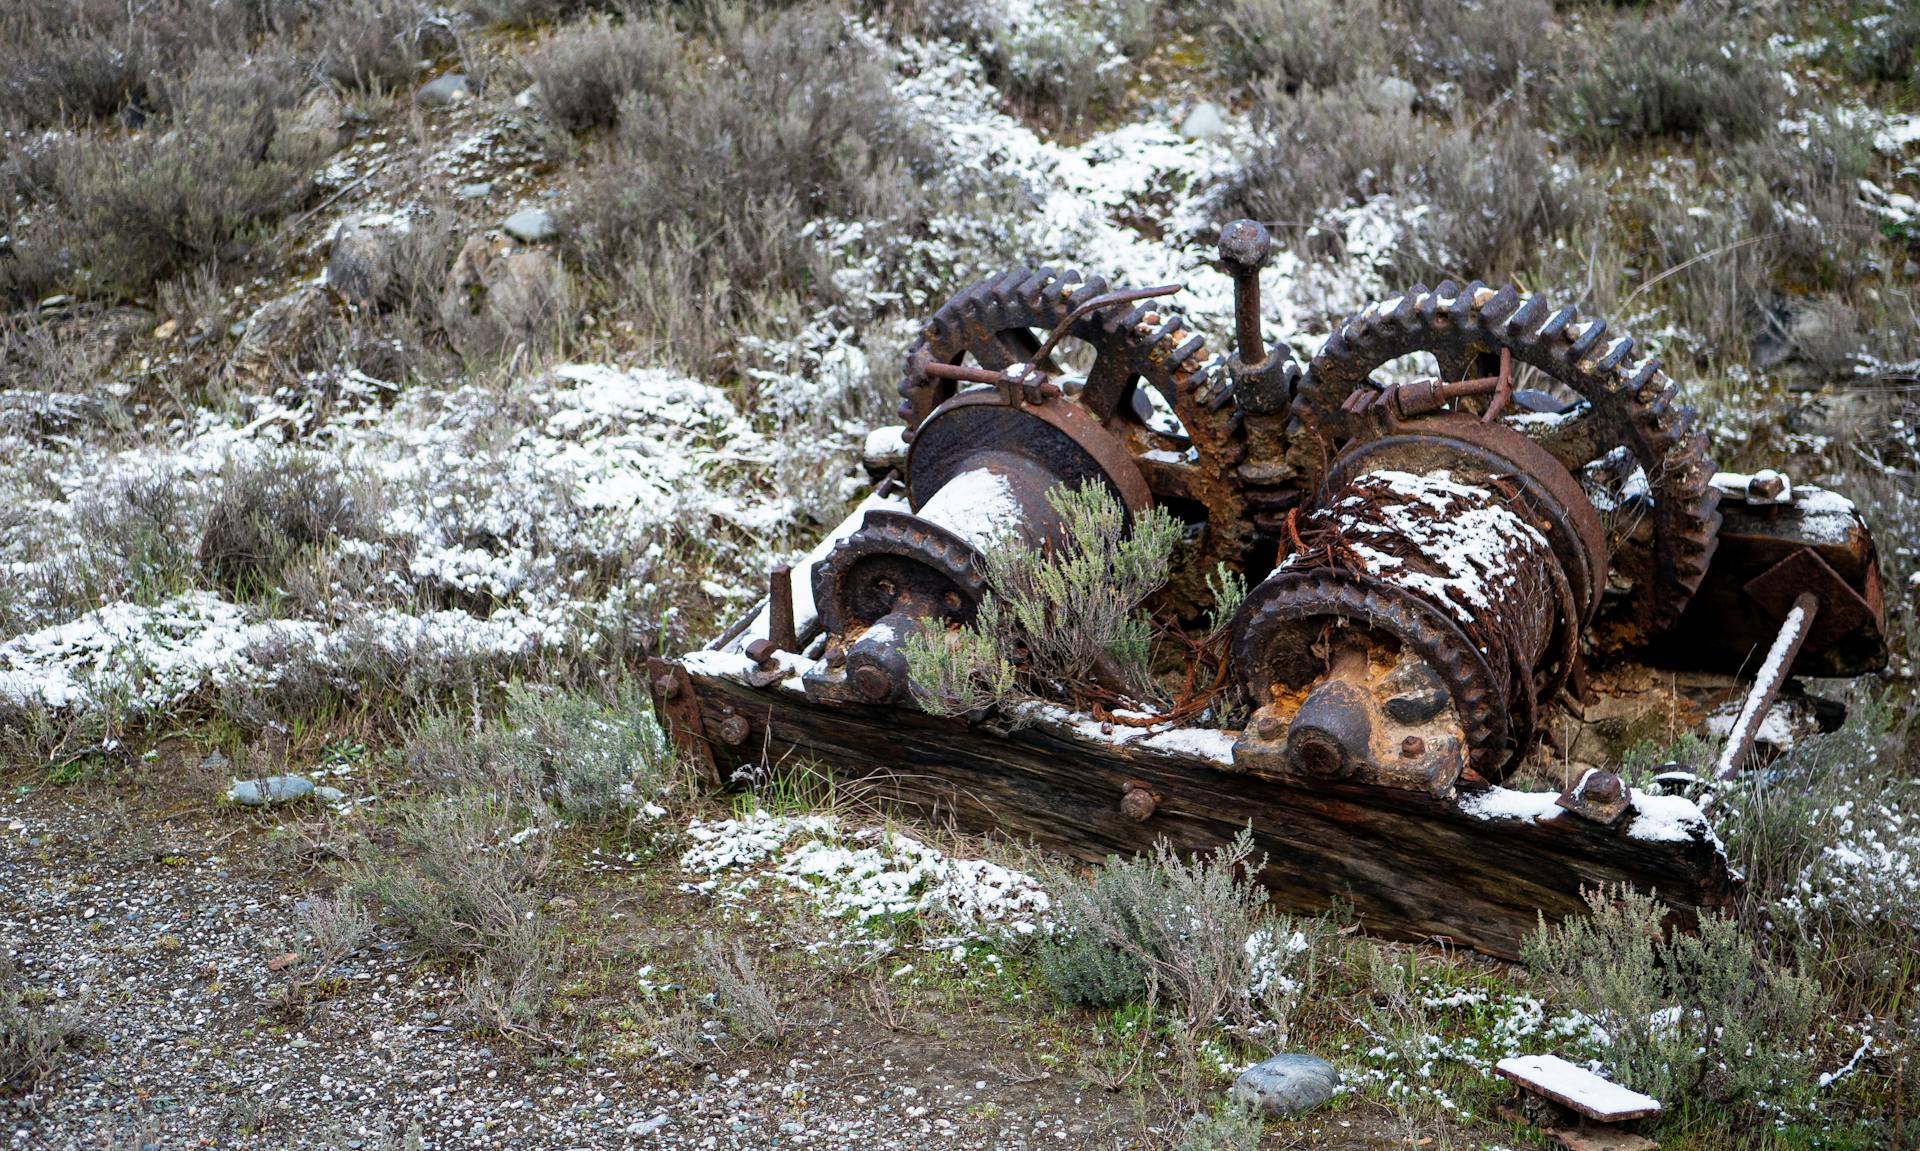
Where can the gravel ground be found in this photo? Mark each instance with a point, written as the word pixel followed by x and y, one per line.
pixel 163 927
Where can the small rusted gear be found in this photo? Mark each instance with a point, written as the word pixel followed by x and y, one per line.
pixel 1630 403
pixel 1002 320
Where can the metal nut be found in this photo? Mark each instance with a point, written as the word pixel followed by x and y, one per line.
pixel 666 685
pixel 1137 803
pixel 1267 727
pixel 1413 747
pixel 734 730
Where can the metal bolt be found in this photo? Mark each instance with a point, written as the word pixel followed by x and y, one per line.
pixel 871 682
pixel 1766 486
pixel 1413 747
pixel 734 730
pixel 1137 803
pixel 1244 249
pixel 666 685
pixel 761 651
pixel 1601 787
pixel 1267 727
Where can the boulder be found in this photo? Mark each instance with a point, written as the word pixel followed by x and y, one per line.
pixel 360 260
pixel 440 91
pixel 1286 1084
pixel 531 225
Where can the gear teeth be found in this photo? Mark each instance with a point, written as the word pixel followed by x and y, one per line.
pixel 1179 357
pixel 1462 310
pixel 1647 376
pixel 1500 306
pixel 1095 286
pixel 1615 355
pixel 1556 325
pixel 1587 339
pixel 1526 317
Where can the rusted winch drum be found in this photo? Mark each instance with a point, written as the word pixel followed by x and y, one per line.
pixel 979 468
pixel 1424 612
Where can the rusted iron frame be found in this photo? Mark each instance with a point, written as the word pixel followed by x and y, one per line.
pixel 1023 384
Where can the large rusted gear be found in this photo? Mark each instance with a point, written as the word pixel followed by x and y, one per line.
pixel 1002 320
pixel 1630 402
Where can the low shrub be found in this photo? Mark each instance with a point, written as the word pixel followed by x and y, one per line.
pixel 587 69
pixel 1679 72
pixel 269 512
pixel 699 218
pixel 200 184
pixel 753 1009
pixel 1198 933
pixel 368 45
pixel 1702 1016
pixel 1887 47
pixel 1487 47
pixel 1067 614
pixel 1283 46
pixel 1490 199
pixel 455 881
pixel 32 1035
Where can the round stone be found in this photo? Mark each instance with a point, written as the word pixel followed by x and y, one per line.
pixel 1286 1084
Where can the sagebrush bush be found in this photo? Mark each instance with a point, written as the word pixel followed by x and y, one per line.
pixel 269 512
pixel 1055 60
pixel 752 1008
pixel 1197 933
pixel 455 881
pixel 1679 72
pixel 1826 837
pixel 1070 610
pixel 1703 1016
pixel 1887 48
pixel 32 1035
pixel 587 69
pixel 1284 46
pixel 699 217
pixel 368 45
pixel 1491 197
pixel 529 13
pixel 1485 46
pixel 201 184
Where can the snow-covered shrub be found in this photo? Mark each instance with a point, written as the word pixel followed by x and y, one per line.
pixel 1701 1015
pixel 271 510
pixel 1195 932
pixel 1682 72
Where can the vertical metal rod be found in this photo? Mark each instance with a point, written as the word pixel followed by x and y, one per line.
pixel 1245 246
pixel 780 609
pixel 1773 673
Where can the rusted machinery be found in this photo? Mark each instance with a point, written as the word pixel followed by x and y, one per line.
pixel 1464 509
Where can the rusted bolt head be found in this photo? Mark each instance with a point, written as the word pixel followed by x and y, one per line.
pixel 761 650
pixel 1413 747
pixel 666 685
pixel 1766 485
pixel 871 682
pixel 1137 804
pixel 733 730
pixel 1245 245
pixel 1601 787
pixel 1267 727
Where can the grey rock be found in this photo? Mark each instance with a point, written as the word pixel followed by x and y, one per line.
pixel 1204 122
pixel 478 191
pixel 531 225
pixel 329 795
pixel 648 1126
pixel 319 124
pixel 451 88
pixel 216 763
pixel 269 791
pixel 279 334
pixel 1396 94
pixel 1286 1084
pixel 360 262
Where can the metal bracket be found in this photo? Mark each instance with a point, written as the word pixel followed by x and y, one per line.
pixel 677 705
pixel 1842 609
